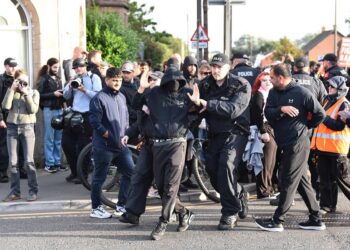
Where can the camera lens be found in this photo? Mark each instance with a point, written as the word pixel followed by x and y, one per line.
pixel 75 83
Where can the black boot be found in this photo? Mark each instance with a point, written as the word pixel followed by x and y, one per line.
pixel 159 231
pixel 185 221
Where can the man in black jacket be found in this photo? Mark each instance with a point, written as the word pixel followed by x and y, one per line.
pixel 6 80
pixel 287 110
pixel 224 100
pixel 167 106
pixel 109 119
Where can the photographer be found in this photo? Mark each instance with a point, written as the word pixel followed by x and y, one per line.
pixel 22 102
pixel 51 102
pixel 76 134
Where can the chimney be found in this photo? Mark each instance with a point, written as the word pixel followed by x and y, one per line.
pixel 323 29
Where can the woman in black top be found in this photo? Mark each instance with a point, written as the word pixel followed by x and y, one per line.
pixel 260 91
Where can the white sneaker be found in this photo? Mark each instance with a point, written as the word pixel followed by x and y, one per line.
pixel 100 213
pixel 119 210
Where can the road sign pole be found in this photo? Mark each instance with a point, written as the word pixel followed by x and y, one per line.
pixel 199 21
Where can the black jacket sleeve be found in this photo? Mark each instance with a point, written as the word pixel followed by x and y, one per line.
pixel 273 111
pixel 257 112
pixel 315 108
pixel 335 124
pixel 138 101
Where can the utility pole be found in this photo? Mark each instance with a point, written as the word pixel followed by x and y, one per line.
pixel 199 21
pixel 335 28
pixel 205 23
pixel 227 28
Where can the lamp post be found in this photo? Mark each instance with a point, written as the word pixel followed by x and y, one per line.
pixel 335 28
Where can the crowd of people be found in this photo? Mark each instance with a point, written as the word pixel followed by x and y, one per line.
pixel 271 117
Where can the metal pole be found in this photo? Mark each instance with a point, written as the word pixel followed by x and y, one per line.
pixel 335 28
pixel 205 23
pixel 227 33
pixel 199 21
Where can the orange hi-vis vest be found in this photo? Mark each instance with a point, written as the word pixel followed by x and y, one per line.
pixel 327 140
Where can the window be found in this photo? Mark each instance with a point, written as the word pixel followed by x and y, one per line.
pixel 15 33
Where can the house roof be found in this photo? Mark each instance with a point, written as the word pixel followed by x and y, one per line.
pixel 319 38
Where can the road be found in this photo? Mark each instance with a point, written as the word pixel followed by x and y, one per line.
pixel 74 229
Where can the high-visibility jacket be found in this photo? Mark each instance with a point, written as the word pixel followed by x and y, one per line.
pixel 327 140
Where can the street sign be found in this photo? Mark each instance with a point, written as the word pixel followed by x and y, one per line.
pixel 202 37
pixel 201 45
pixel 223 2
pixel 344 53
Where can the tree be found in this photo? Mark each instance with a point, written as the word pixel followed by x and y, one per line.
pixel 107 33
pixel 285 47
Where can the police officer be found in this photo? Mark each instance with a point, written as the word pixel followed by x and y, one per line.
pixel 302 77
pixel 224 100
pixel 168 106
pixel 240 67
pixel 287 110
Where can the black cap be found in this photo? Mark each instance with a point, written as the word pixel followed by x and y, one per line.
pixel 219 59
pixel 239 55
pixel 330 57
pixel 79 62
pixel 301 62
pixel 10 62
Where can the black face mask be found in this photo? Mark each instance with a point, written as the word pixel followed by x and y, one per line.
pixel 173 86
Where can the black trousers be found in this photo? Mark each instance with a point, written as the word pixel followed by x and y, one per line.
pixel 141 180
pixel 168 163
pixel 73 141
pixel 334 171
pixel 292 177
pixel 4 156
pixel 223 155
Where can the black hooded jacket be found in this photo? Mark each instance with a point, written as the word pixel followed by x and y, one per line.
pixel 288 129
pixel 190 60
pixel 168 110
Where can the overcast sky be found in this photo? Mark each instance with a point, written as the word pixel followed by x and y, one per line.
pixel 269 19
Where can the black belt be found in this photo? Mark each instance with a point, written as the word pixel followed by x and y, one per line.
pixel 157 140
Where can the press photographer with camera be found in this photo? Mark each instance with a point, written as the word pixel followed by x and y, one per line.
pixel 22 103
pixel 77 134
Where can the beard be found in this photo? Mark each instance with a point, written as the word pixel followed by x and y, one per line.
pixel 53 73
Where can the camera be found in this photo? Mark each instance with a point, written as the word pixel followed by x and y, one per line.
pixel 76 83
pixel 22 83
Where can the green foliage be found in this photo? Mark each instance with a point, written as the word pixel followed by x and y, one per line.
pixel 285 47
pixel 106 32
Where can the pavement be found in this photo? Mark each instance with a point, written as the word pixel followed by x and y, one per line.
pixel 57 194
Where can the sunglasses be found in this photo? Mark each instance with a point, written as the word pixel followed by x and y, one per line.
pixel 205 73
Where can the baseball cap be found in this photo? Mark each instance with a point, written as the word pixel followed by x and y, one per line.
pixel 330 57
pixel 156 75
pixel 79 62
pixel 301 62
pixel 10 62
pixel 128 67
pixel 239 55
pixel 338 82
pixel 219 59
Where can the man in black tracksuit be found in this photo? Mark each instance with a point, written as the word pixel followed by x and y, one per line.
pixel 287 109
pixel 224 100
pixel 168 106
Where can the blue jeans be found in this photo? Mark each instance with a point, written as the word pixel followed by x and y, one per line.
pixel 52 138
pixel 102 160
pixel 23 133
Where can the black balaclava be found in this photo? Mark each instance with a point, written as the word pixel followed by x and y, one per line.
pixel 173 85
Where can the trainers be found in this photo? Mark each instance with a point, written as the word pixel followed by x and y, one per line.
pixel 244 205
pixel 185 221
pixel 12 197
pixel 269 225
pixel 159 231
pixel 100 213
pixel 227 222
pixel 130 218
pixel 70 178
pixel 32 197
pixel 153 193
pixel 312 225
pixel 50 169
pixel 189 184
pixel 119 211
pixel 60 167
pixel 4 177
